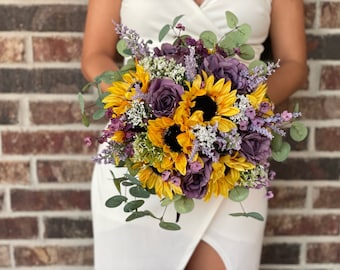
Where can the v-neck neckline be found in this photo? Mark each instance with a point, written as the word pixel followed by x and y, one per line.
pixel 199 5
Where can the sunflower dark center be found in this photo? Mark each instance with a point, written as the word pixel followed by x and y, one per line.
pixel 206 105
pixel 170 138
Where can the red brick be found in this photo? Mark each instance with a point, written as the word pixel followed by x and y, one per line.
pixel 54 113
pixel 310 9
pixel 59 17
pixel 53 255
pixel 279 253
pixel 313 169
pixel 14 172
pixel 18 228
pixel 301 225
pixel 44 200
pixel 57 49
pixel 5 257
pixel 323 253
pixel 326 197
pixel 327 139
pixel 67 228
pixel 2 200
pixel 9 111
pixel 330 15
pixel 46 142
pixel 288 197
pixel 318 108
pixel 323 47
pixel 69 171
pixel 330 78
pixel 12 50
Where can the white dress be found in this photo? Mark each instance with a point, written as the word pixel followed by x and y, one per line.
pixel 141 244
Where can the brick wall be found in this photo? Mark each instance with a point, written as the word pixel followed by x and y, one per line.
pixel 45 168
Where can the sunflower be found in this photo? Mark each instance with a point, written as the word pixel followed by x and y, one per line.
pixel 122 92
pixel 176 141
pixel 151 179
pixel 208 103
pixel 225 174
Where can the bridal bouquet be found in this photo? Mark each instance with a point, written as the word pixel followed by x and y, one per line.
pixel 189 120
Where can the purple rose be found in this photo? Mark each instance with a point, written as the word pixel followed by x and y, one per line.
pixel 228 69
pixel 163 96
pixel 255 148
pixel 171 51
pixel 195 184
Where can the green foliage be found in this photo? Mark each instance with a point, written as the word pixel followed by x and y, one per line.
pixel 232 20
pixel 184 205
pixel 169 226
pixel 298 132
pixel 254 215
pixel 238 194
pixel 209 39
pixel 123 49
pixel 115 201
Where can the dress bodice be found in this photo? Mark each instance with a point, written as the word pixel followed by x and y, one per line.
pixel 147 17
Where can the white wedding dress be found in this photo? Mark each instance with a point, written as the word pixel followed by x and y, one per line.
pixel 141 244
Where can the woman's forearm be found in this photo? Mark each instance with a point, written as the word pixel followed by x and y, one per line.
pixel 288 78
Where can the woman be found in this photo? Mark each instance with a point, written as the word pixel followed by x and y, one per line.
pixel 209 239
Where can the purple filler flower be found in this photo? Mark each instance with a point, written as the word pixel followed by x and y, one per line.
pixel 255 148
pixel 227 68
pixel 163 96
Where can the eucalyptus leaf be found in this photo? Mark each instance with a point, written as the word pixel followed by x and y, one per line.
pixel 130 65
pixel 298 132
pixel 127 184
pixel 139 192
pixel 108 77
pixel 238 214
pixel 255 215
pixel 116 181
pixel 99 114
pixel 169 226
pixel 123 49
pixel 243 33
pixel 282 153
pixel 209 39
pixel 166 202
pixel 228 43
pixel 115 201
pixel 296 108
pixel 81 102
pixel 132 179
pixel 246 52
pixel 133 205
pixel 184 205
pixel 176 20
pixel 232 20
pixel 276 142
pixel 137 214
pixel 85 120
pixel 238 194
pixel 164 31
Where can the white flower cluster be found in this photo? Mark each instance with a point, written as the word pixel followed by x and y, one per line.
pixel 160 67
pixel 136 114
pixel 206 137
pixel 242 104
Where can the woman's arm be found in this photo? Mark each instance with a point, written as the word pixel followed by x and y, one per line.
pixel 288 41
pixel 100 38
